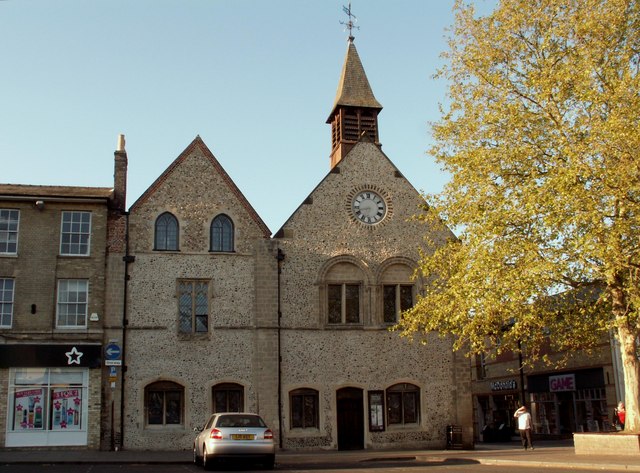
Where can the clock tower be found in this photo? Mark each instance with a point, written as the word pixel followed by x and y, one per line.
pixel 355 109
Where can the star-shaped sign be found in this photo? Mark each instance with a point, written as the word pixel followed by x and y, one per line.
pixel 74 356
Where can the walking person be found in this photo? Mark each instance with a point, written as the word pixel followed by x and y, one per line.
pixel 619 416
pixel 524 425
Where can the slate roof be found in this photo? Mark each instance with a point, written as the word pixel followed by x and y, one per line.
pixel 353 88
pixel 66 192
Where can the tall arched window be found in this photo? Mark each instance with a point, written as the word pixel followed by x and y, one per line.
pixel 166 232
pixel 343 282
pixel 222 233
pixel 164 403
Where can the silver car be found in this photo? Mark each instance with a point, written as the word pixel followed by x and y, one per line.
pixel 234 436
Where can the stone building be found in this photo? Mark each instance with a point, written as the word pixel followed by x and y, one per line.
pixel 350 252
pixel 127 329
pixel 53 251
pixel 296 327
pixel 191 333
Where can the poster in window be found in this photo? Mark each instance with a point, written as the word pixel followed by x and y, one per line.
pixel 376 411
pixel 66 408
pixel 28 409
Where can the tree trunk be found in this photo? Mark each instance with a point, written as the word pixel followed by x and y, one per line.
pixel 631 370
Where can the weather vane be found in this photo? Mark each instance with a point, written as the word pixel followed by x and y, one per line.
pixel 350 25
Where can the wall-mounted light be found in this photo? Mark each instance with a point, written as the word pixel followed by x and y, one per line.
pixel 40 204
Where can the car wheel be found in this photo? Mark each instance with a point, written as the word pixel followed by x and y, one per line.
pixel 269 463
pixel 196 459
pixel 207 461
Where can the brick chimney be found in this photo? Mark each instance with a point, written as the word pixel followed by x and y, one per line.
pixel 120 176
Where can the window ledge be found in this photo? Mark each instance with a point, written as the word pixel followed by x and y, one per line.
pixel 344 326
pixel 403 427
pixel 187 337
pixel 302 432
pixel 164 428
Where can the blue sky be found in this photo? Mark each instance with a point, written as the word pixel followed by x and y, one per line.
pixel 255 79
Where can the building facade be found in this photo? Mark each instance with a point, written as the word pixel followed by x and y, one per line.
pixel 53 243
pixel 190 336
pixel 129 328
pixel 221 317
pixel 578 397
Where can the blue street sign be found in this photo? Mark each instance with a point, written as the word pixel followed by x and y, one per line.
pixel 112 352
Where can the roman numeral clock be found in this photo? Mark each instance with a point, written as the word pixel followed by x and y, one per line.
pixel 368 205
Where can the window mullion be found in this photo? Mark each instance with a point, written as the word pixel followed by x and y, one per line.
pixel 343 305
pixel 193 307
pixel 164 408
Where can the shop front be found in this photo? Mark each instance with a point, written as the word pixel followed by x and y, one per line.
pixel 494 411
pixel 566 402
pixel 53 394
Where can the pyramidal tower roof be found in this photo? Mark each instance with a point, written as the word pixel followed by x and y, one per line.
pixel 353 88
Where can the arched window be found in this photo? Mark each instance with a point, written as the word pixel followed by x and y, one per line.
pixel 164 403
pixel 403 404
pixel 304 408
pixel 397 290
pixel 222 233
pixel 166 232
pixel 228 397
pixel 342 287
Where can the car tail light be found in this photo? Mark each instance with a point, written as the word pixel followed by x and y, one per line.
pixel 215 434
pixel 268 434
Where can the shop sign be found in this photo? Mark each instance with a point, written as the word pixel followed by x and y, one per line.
pixel 563 382
pixel 27 355
pixel 507 385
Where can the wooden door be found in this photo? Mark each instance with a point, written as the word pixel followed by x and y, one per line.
pixel 350 407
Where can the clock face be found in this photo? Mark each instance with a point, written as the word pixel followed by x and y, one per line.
pixel 368 207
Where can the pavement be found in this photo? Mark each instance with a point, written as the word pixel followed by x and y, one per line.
pixel 555 454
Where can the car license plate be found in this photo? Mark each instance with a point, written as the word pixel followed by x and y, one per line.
pixel 242 436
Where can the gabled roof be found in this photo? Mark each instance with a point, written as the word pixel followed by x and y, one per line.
pixel 198 143
pixel 336 169
pixel 353 88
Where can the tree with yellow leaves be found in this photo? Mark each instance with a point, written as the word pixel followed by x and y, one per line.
pixel 541 137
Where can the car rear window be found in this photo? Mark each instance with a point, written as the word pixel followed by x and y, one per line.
pixel 239 420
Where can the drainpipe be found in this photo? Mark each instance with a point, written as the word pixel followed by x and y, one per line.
pixel 280 259
pixel 127 258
